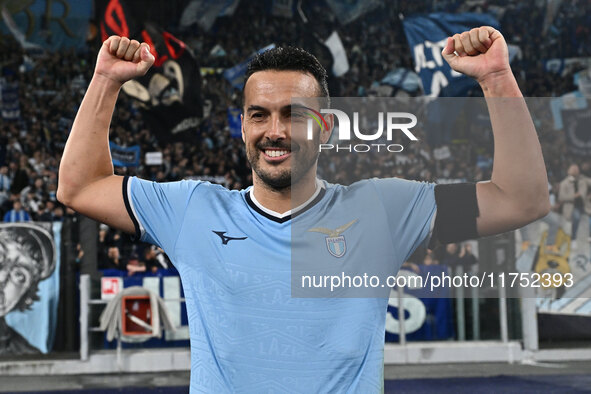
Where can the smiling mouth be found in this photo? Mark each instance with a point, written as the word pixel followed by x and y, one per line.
pixel 276 154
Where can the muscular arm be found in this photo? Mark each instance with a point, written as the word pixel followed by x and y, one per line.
pixel 517 193
pixel 87 183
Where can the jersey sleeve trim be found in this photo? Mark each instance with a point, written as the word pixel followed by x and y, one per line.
pixel 139 229
pixel 428 241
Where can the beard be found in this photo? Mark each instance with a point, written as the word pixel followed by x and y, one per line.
pixel 282 179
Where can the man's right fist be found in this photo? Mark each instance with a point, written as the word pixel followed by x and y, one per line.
pixel 121 59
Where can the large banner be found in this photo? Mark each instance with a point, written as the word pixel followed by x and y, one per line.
pixel 547 247
pixel 170 92
pixel 29 260
pixel 425 317
pixel 427 36
pixel 577 130
pixel 51 24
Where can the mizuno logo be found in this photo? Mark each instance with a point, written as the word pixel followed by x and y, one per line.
pixel 225 239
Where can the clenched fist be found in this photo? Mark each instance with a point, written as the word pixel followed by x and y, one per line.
pixel 121 59
pixel 480 53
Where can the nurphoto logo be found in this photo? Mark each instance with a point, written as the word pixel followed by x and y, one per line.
pixel 394 122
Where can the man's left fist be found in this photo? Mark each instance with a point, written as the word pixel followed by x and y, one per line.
pixel 480 53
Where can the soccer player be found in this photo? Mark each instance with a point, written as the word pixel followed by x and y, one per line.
pixel 232 248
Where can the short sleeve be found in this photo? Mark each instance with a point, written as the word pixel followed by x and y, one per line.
pixel 157 209
pixel 410 207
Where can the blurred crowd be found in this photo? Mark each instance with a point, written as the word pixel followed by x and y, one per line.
pixel 51 87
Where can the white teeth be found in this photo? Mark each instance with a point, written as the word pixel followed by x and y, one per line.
pixel 275 153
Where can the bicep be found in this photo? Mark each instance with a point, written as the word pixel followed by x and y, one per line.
pixel 498 211
pixel 103 201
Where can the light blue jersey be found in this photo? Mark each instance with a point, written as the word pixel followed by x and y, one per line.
pixel 248 334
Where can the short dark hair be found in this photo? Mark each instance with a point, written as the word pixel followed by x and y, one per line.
pixel 288 59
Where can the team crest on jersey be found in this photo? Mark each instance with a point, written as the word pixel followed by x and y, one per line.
pixel 335 242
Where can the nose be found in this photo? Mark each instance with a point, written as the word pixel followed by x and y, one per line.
pixel 278 129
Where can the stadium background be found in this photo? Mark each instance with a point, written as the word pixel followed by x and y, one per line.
pixel 186 125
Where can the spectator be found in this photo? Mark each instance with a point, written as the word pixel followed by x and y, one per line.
pixel 113 259
pixel 46 212
pixel 458 255
pixel 155 259
pixel 4 184
pixel 17 214
pixel 135 265
pixel 572 194
pixel 58 213
pixel 79 253
pixel 430 259
pixel 19 178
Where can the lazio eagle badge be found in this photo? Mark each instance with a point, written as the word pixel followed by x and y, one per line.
pixel 335 242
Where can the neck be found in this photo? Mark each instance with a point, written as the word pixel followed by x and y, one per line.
pixel 285 199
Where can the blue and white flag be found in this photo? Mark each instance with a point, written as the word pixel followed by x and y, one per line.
pixel 235 75
pixel 427 36
pixel 125 156
pixel 402 78
pixel 347 11
pixel 282 8
pixel 9 103
pixel 234 122
pixel 573 100
pixel 49 24
pixel 340 63
pixel 205 12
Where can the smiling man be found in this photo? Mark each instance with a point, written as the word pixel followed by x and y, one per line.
pixel 272 80
pixel 233 248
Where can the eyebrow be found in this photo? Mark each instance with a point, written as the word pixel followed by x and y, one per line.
pixel 288 107
pixel 252 108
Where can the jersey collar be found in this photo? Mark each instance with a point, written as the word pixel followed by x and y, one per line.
pixel 284 217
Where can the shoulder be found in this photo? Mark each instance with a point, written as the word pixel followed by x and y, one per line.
pixel 378 182
pixel 389 188
pixel 183 186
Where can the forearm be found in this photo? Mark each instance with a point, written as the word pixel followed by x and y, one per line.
pixel 519 172
pixel 86 156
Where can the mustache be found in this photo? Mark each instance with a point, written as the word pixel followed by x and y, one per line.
pixel 294 147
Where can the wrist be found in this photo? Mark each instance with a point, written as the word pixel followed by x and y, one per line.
pixel 106 82
pixel 499 84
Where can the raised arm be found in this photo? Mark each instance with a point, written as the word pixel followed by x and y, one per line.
pixel 517 193
pixel 87 183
